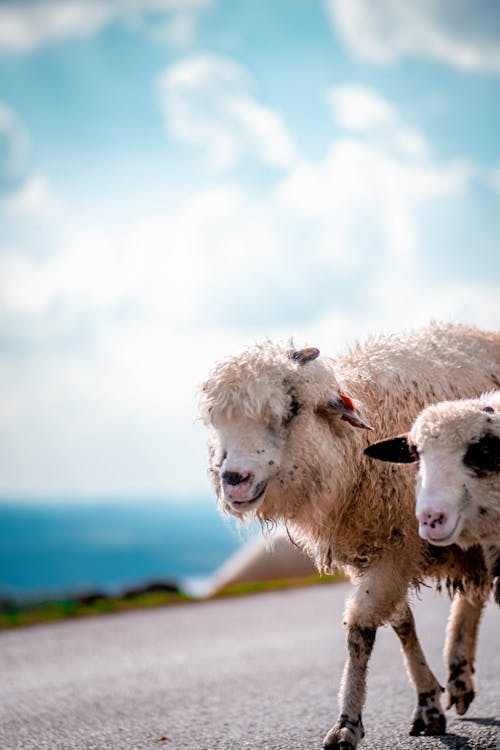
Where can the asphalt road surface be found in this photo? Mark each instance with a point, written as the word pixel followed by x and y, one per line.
pixel 259 672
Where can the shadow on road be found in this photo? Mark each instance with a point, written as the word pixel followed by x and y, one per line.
pixel 487 721
pixel 462 742
pixel 455 741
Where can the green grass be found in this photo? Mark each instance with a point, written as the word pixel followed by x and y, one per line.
pixel 52 611
pixel 241 589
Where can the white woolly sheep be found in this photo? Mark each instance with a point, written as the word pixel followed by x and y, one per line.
pixel 283 449
pixel 457 447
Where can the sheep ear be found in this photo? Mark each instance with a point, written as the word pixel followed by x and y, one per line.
pixel 302 356
pixel 344 407
pixel 398 449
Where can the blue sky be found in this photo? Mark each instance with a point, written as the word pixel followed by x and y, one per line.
pixel 179 178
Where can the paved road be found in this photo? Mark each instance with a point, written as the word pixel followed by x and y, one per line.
pixel 259 672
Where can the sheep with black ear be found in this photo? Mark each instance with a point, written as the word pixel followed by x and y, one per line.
pixel 287 434
pixel 457 447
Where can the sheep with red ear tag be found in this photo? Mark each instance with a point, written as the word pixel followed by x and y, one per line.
pixel 288 428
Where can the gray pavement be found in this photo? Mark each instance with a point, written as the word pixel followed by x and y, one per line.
pixel 258 672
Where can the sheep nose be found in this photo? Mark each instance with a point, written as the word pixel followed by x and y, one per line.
pixel 433 519
pixel 234 477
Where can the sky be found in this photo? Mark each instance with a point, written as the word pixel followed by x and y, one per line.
pixel 182 178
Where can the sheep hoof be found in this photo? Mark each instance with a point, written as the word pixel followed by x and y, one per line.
pixel 417 727
pixel 428 720
pixel 345 734
pixel 461 701
pixel 436 725
pixel 461 686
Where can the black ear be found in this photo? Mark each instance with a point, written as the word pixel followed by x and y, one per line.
pixel 397 449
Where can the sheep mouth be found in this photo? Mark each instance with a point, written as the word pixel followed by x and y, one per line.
pixel 448 539
pixel 241 505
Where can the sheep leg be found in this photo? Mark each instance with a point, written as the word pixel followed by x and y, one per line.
pixel 348 731
pixel 460 649
pixel 372 604
pixel 428 717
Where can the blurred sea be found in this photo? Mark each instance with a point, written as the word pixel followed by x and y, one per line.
pixel 57 548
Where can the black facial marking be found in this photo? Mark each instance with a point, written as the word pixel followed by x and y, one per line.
pixel 293 409
pixel 483 457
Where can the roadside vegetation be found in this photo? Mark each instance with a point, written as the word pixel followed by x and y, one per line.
pixel 153 596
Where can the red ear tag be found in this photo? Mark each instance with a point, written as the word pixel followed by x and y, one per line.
pixel 347 401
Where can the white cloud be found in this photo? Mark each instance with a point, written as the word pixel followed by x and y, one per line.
pixel 98 271
pixel 358 183
pixel 360 108
pixel 178 267
pixel 410 142
pixel 461 34
pixel 23 27
pixel 21 195
pixel 28 25
pixel 227 258
pixel 414 299
pixel 208 103
pixel 32 199
pixel 401 297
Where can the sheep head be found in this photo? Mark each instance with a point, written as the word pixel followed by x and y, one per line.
pixel 456 445
pixel 270 411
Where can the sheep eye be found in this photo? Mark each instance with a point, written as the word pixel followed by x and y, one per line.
pixel 293 410
pixel 483 457
pixel 294 406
